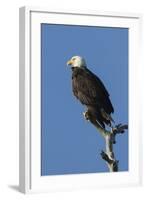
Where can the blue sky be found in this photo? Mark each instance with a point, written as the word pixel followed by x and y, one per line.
pixel 70 144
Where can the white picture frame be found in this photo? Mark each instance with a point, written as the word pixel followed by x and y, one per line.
pixel 30 158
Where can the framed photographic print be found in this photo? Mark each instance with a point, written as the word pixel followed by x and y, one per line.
pixel 79 100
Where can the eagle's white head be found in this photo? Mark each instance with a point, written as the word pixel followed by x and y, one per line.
pixel 77 61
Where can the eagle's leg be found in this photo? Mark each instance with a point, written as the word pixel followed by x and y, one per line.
pixel 86 115
pixel 89 116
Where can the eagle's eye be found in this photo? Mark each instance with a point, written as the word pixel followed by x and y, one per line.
pixel 73 58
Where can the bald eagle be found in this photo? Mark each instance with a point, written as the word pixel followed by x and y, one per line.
pixel 91 92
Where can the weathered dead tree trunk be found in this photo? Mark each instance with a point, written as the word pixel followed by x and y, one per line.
pixel 110 139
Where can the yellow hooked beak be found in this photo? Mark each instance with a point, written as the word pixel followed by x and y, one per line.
pixel 70 62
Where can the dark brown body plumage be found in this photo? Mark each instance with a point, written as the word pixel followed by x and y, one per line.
pixel 90 91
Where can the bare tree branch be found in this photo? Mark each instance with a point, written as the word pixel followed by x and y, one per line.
pixel 110 139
